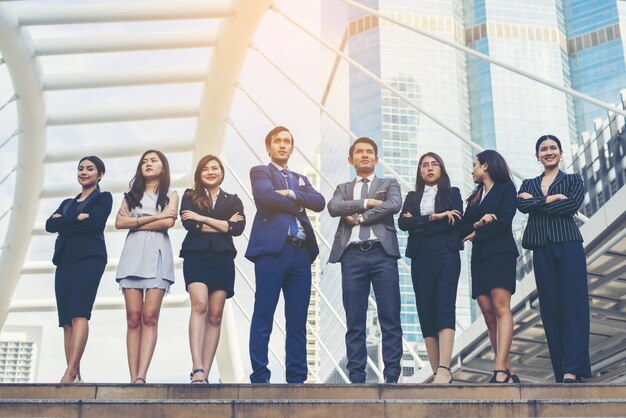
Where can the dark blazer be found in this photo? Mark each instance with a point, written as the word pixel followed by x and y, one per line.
pixel 495 237
pixel 196 240
pixel 274 211
pixel 420 228
pixel 380 218
pixel 552 222
pixel 81 238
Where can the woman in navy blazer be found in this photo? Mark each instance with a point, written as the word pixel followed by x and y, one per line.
pixel 488 224
pixel 551 201
pixel 80 256
pixel 211 217
pixel 429 214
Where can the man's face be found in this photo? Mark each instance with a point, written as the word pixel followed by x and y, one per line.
pixel 280 148
pixel 363 157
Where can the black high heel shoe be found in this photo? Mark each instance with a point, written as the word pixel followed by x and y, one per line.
pixel 515 378
pixel 203 380
pixel 449 371
pixel 495 375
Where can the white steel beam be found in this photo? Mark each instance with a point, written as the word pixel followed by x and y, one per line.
pixel 57 14
pixel 125 148
pixel 17 51
pixel 126 42
pixel 46 266
pixel 179 181
pixel 68 81
pixel 123 113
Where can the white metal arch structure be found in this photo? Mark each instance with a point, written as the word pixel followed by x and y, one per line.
pixel 240 19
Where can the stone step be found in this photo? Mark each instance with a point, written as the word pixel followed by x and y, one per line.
pixel 303 401
pixel 308 392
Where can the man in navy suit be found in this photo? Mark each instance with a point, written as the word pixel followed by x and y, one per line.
pixel 282 247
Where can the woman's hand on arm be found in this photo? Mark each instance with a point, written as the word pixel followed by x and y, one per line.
pixel 450 215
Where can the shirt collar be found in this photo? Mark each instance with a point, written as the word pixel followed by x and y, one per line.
pixel 369 178
pixel 428 188
pixel 279 167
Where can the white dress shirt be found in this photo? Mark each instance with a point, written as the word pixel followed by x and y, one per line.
pixel 358 185
pixel 427 205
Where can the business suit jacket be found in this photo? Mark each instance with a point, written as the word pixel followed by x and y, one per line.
pixel 379 219
pixel 420 228
pixel 81 238
pixel 274 211
pixel 552 222
pixel 217 242
pixel 495 237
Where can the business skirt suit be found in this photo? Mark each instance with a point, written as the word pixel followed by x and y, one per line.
pixel 560 271
pixel 79 254
pixel 494 253
pixel 209 256
pixel 433 248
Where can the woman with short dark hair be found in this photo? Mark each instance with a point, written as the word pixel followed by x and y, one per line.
pixel 80 256
pixel 551 200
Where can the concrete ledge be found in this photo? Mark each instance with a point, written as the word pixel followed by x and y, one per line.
pixel 313 408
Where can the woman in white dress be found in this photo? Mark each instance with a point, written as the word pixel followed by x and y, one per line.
pixel 146 267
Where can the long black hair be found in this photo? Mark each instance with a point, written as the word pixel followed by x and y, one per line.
pixel 497 168
pixel 443 201
pixel 138 183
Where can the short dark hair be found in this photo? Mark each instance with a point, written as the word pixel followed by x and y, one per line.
pixel 545 138
pixel 363 140
pixel 276 130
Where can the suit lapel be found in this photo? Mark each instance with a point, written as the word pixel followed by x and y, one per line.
pixel 350 189
pixel 418 200
pixel 536 182
pixel 279 179
pixel 374 187
pixel 559 177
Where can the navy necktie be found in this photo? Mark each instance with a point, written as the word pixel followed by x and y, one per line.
pixel 364 232
pixel 291 185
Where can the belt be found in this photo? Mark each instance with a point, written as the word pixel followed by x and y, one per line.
pixel 296 242
pixel 365 246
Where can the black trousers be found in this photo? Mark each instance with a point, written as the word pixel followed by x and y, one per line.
pixel 561 276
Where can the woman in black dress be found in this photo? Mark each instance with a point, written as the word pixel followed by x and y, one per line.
pixel 80 256
pixel 488 224
pixel 551 201
pixel 430 214
pixel 211 217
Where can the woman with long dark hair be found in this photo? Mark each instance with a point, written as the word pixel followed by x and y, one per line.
pixel 488 224
pixel 80 256
pixel 551 200
pixel 146 267
pixel 212 218
pixel 430 214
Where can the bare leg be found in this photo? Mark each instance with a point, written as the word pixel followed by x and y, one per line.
pixel 149 328
pixel 502 305
pixel 217 299
pixel 432 348
pixel 199 295
pixel 446 344
pixel 79 334
pixel 134 307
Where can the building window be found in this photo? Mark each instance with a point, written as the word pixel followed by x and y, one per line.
pixel 408 371
pixel 613 187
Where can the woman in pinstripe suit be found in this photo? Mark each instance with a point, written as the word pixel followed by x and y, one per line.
pixel 551 201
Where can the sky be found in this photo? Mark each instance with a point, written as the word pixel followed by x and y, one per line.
pixel 105 356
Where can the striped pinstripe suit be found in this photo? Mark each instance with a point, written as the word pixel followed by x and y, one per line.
pixel 560 271
pixel 553 222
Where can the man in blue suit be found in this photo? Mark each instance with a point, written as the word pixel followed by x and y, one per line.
pixel 282 247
